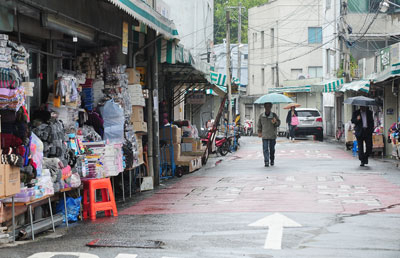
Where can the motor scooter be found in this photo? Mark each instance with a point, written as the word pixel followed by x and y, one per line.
pixel 223 143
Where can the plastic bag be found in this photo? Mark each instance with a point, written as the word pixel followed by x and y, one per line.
pixel 114 120
pixel 36 149
pixel 73 208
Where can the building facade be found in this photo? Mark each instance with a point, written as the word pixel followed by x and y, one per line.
pixel 285 44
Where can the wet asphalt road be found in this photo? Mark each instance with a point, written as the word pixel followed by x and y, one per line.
pixel 342 210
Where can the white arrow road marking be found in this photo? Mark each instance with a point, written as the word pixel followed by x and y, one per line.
pixel 275 223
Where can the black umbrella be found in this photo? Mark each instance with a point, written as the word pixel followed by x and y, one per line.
pixel 361 101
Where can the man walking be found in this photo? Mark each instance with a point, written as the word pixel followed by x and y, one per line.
pixel 364 127
pixel 268 123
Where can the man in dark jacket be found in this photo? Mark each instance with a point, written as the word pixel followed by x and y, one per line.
pixel 364 127
pixel 267 127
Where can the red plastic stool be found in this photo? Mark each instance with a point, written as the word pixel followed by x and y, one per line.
pixel 107 204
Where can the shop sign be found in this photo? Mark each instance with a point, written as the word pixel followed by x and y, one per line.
pixel 289 94
pixel 390 111
pixel 125 35
pixel 142 72
pixel 196 98
pixel 385 58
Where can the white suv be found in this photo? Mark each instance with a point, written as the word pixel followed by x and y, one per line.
pixel 310 123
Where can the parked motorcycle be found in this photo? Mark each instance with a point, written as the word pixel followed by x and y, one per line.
pixel 223 143
pixel 248 128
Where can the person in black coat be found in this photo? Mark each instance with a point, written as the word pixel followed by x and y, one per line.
pixel 364 127
pixel 292 112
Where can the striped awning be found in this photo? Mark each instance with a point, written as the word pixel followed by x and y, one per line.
pixel 332 85
pixel 290 89
pixel 360 85
pixel 167 51
pixel 147 15
pixel 219 79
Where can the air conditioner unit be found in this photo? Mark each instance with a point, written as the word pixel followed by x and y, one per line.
pixel 302 77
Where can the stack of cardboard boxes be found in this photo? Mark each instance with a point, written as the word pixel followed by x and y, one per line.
pixel 182 147
pixel 139 141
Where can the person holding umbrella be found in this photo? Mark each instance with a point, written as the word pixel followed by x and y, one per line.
pixel 292 119
pixel 268 123
pixel 364 126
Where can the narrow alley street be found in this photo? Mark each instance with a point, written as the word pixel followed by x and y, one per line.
pixel 316 201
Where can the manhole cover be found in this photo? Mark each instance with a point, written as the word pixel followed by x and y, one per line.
pixel 125 243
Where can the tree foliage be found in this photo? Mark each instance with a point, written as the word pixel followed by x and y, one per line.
pixel 220 19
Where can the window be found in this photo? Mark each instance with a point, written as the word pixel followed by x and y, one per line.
pixel 246 56
pixel 262 76
pixel 328 4
pixel 315 71
pixel 273 76
pixel 272 37
pixel 252 78
pixel 262 39
pixel 314 35
pixel 254 39
pixel 366 6
pixel 295 73
pixel 308 113
pixel 248 111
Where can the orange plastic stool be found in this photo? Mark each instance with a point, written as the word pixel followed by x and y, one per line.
pixel 107 204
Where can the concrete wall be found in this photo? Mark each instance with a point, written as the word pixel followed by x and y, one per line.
pixel 194 20
pixel 290 41
pixel 330 53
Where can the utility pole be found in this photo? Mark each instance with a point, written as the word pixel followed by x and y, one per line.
pixel 239 69
pixel 277 54
pixel 228 65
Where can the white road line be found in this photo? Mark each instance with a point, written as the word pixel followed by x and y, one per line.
pixel 126 256
pixel 52 254
pixel 337 178
pixel 290 178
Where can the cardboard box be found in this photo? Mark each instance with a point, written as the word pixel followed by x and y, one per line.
pixel 350 136
pixel 187 147
pixel 12 180
pixel 165 134
pixel 133 76
pixel 177 153
pixel 137 114
pixel 194 146
pixel 2 182
pixel 140 126
pixel 188 140
pixel 377 141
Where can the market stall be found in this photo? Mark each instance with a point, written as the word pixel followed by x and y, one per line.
pixel 91 127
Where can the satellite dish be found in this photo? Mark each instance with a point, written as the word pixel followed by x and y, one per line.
pixel 301 77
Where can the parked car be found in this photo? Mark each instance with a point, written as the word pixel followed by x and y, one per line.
pixel 310 123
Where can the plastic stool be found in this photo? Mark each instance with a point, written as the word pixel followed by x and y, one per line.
pixel 107 204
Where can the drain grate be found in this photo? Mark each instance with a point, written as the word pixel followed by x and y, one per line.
pixel 126 243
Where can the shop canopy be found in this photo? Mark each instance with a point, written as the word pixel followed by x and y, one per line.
pixel 331 85
pixel 219 79
pixel 359 85
pixel 147 15
pixel 290 89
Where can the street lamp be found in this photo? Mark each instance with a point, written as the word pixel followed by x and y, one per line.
pixel 385 4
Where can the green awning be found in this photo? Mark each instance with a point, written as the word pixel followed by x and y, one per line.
pixel 332 85
pixel 294 89
pixel 359 85
pixel 144 13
